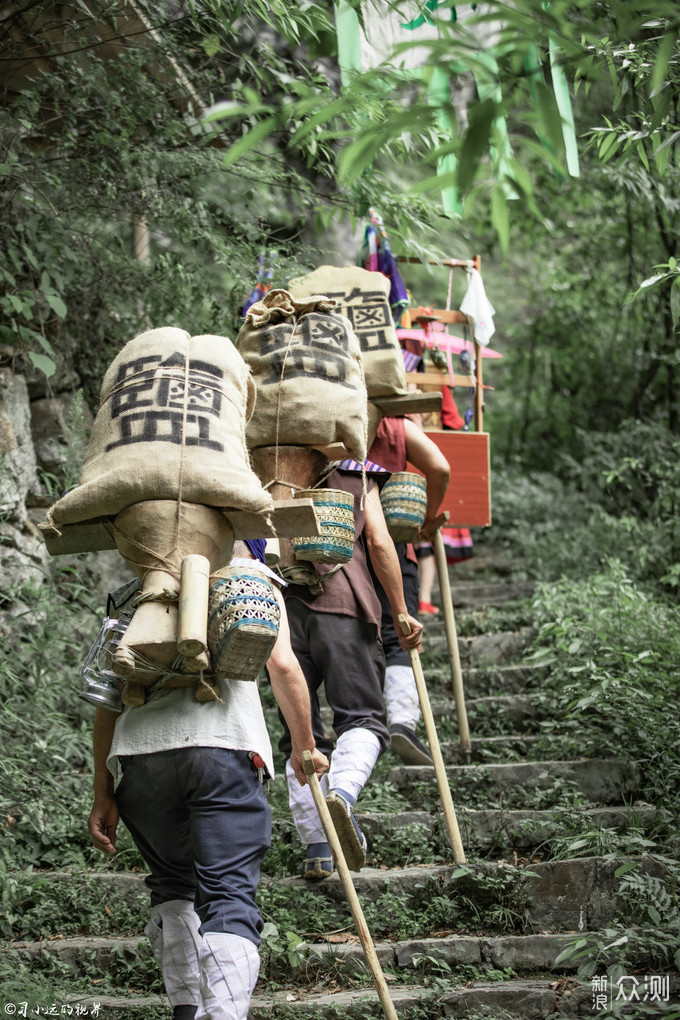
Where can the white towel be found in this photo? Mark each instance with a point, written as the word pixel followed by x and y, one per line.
pixel 477 305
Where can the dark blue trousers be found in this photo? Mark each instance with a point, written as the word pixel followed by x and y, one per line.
pixel 200 820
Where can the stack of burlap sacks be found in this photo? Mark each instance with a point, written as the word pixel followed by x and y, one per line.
pixel 176 419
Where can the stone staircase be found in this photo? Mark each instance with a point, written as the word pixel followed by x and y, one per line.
pixel 484 939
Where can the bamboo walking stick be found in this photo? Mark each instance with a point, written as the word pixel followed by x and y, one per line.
pixel 435 751
pixel 348 887
pixel 452 642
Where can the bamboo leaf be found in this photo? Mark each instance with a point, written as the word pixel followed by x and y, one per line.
pixel 643 155
pixel 663 55
pixel 250 140
pixel 500 217
pixel 435 183
pixel 625 868
pixel 570 950
pixel 475 143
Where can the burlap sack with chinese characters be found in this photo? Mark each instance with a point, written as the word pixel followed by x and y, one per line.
pixel 364 298
pixel 306 364
pixel 171 424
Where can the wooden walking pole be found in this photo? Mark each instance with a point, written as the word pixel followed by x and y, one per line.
pixel 452 642
pixel 435 751
pixel 348 887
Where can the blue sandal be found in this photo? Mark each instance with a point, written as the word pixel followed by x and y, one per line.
pixel 317 866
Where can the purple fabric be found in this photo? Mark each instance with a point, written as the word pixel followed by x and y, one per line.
pixel 257 546
pixel 399 299
pixel 411 360
pixel 355 465
pixel 386 264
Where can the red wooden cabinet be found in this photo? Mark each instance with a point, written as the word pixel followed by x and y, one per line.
pixel 468 497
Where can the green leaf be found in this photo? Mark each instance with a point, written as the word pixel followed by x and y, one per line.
pixel 475 143
pixel 625 868
pixel 43 362
pixel 211 45
pixel 643 156
pixel 570 950
pixel 250 140
pixel 6 169
pixel 500 217
pixel 675 301
pixel 227 108
pixel 318 118
pixel 436 183
pixel 652 281
pixel 663 55
pixel 549 118
pixel 32 335
pixel 56 304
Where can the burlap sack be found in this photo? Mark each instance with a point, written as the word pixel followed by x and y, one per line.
pixel 363 297
pixel 306 364
pixel 149 442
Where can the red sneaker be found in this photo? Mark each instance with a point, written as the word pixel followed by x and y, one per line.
pixel 427 607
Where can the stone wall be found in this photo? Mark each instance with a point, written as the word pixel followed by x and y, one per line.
pixel 33 446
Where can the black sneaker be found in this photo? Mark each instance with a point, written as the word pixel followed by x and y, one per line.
pixel 406 744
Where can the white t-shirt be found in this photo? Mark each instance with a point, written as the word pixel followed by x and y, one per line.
pixel 172 718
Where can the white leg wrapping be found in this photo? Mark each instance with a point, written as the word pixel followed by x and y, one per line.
pixel 175 941
pixel 302 807
pixel 401 697
pixel 352 761
pixel 230 965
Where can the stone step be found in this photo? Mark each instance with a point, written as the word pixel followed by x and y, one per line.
pixel 496 714
pixel 511 1000
pixel 488 715
pixel 523 953
pixel 480 594
pixel 574 895
pixel 490 749
pixel 492 715
pixel 501 829
pixel 484 682
pixel 580 894
pixel 340 963
pixel 490 650
pixel 599 780
pixel 510 829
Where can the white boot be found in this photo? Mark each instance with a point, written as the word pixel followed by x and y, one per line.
pixel 175 941
pixel 229 966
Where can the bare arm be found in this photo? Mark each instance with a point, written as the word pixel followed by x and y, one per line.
pixel 431 462
pixel 104 816
pixel 386 565
pixel 290 690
